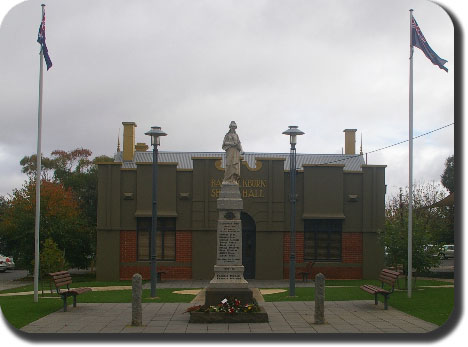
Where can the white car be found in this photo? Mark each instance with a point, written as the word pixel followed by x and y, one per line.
pixel 447 251
pixel 6 263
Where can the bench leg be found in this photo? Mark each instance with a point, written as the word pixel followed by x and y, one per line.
pixel 64 303
pixel 74 300
pixel 375 299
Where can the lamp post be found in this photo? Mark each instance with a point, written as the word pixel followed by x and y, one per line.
pixel 155 134
pixel 293 132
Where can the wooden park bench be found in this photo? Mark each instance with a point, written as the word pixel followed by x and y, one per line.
pixel 386 277
pixel 307 272
pixel 63 279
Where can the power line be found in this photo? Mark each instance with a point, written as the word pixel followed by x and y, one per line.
pixel 398 143
pixel 395 144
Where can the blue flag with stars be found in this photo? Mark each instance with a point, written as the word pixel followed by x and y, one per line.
pixel 418 40
pixel 41 40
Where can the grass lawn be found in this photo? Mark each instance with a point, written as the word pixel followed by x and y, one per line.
pixel 430 304
pixel 22 310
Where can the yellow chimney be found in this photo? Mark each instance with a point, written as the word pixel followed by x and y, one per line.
pixel 128 140
pixel 350 141
pixel 141 147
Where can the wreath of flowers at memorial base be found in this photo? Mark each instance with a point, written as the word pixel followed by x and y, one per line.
pixel 231 305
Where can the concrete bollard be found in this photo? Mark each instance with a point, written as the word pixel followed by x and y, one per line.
pixel 137 311
pixel 319 299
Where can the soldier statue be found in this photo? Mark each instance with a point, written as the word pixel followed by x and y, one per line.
pixel 233 148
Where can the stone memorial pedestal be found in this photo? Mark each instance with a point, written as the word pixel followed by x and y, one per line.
pixel 228 280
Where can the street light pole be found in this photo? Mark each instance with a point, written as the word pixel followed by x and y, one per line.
pixel 155 133
pixel 293 131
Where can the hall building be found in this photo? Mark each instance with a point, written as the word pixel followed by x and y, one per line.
pixel 339 212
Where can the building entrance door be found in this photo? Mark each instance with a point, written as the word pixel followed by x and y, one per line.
pixel 248 245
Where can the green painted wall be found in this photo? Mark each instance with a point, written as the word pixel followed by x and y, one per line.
pixel 203 254
pixel 108 222
pixel 373 259
pixel 128 183
pixel 352 202
pixel 323 192
pixel 108 255
pixel 184 200
pixel 373 219
pixel 190 196
pixel 166 195
pixel 269 255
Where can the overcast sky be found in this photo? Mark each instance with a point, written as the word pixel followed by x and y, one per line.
pixel 192 66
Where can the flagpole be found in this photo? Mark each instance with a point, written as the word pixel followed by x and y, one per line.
pixel 410 202
pixel 38 175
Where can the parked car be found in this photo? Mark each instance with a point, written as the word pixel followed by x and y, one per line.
pixel 433 250
pixel 447 251
pixel 6 263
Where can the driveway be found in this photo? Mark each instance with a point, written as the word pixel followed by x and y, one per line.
pixel 10 279
pixel 446 265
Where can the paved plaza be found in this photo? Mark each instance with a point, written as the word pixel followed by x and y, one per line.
pixel 360 316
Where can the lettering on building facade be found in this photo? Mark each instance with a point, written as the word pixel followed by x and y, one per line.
pixel 249 188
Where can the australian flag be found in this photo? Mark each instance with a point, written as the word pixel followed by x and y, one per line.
pixel 420 41
pixel 41 39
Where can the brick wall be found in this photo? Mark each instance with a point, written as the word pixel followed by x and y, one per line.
pixel 299 247
pixel 128 249
pixel 351 248
pixel 128 254
pixel 184 246
pixel 351 244
pixel 286 252
pixel 351 253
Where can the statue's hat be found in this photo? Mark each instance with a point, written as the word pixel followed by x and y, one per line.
pixel 233 125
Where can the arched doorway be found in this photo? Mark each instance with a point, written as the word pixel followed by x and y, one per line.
pixel 248 245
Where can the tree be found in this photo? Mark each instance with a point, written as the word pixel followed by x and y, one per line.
pixel 68 207
pixel 448 181
pixel 448 177
pixel 76 171
pixel 29 164
pixel 60 164
pixel 61 220
pixel 3 206
pixel 427 225
pixel 51 258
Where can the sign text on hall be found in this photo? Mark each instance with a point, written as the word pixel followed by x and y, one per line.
pixel 250 188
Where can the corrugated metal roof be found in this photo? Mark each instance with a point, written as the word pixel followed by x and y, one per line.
pixel 184 159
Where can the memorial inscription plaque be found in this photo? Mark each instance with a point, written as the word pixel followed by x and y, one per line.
pixel 229 243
